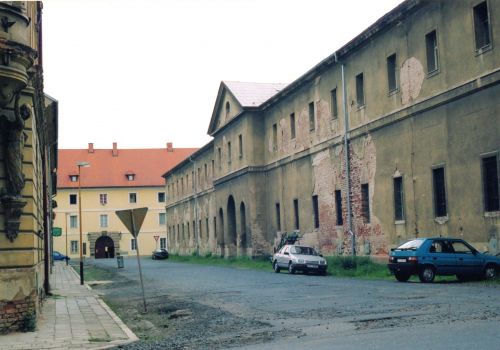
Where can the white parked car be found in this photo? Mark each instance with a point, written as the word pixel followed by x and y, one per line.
pixel 299 258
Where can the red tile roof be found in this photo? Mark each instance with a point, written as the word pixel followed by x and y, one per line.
pixel 105 170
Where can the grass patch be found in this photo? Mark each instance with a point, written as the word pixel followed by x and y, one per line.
pixel 241 262
pixel 357 266
pixel 92 273
pixel 343 266
pixel 98 340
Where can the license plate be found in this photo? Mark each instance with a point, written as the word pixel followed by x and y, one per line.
pixel 401 260
pixel 312 266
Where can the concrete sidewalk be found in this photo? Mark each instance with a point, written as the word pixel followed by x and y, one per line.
pixel 75 317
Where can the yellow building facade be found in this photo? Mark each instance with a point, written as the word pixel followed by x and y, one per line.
pixel 113 180
pixel 28 161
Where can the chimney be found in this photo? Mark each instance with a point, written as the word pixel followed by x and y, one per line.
pixel 170 147
pixel 91 148
pixel 115 149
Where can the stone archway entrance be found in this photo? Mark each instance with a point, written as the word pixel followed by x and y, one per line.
pixel 104 248
pixel 109 239
pixel 230 238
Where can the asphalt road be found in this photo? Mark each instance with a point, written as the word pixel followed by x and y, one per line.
pixel 283 311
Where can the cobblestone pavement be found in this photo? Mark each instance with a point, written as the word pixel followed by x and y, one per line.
pixel 73 318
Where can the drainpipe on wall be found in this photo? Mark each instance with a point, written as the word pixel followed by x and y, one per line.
pixel 346 159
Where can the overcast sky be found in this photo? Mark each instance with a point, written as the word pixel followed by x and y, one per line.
pixel 144 72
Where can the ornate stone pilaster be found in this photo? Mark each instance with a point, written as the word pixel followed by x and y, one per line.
pixel 13 208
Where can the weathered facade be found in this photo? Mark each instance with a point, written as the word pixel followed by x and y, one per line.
pixel 115 179
pixel 28 160
pixel 395 135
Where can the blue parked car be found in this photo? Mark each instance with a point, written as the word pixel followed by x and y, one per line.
pixel 58 256
pixel 428 257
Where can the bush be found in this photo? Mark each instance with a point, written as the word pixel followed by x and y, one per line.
pixel 28 322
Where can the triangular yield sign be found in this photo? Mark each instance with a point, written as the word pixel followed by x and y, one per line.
pixel 132 219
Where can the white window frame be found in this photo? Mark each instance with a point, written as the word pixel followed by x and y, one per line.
pixel 130 198
pixel 133 244
pixel 103 220
pixel 74 247
pixel 160 216
pixel 73 221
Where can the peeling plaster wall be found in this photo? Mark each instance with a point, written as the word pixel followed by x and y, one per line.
pixel 448 117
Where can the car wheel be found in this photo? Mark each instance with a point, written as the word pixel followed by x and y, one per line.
pixel 402 277
pixel 427 274
pixel 322 273
pixel 490 272
pixel 276 267
pixel 291 268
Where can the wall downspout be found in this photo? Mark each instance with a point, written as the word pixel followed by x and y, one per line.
pixel 346 159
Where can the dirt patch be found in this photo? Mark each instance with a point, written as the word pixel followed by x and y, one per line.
pixel 173 322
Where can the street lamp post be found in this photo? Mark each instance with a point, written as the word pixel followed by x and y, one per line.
pixel 79 165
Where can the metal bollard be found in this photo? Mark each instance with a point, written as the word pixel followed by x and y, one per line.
pixel 119 260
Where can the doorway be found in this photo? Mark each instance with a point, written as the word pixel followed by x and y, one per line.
pixel 104 248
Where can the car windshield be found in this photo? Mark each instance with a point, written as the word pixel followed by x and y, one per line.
pixel 303 250
pixel 411 245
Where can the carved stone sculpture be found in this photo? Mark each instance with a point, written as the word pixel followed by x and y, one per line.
pixel 14 138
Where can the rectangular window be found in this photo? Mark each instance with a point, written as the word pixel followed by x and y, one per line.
pixel 439 192
pixel 219 154
pixel 84 248
pixel 213 167
pixel 72 199
pixel 103 198
pixel 482 26
pixel 278 217
pixel 490 184
pixel 432 52
pixel 292 125
pixel 365 203
pixel 161 197
pixel 162 218
pixel 206 229
pixel 338 207
pixel 132 197
pixel 391 72
pixel 398 199
pixel 229 152
pixel 296 213
pixel 312 122
pixel 199 176
pixel 240 146
pixel 73 221
pixel 206 172
pixel 133 244
pixel 192 180
pixel 163 243
pixel 335 107
pixel 275 137
pixel 360 91
pixel 74 247
pixel 103 220
pixel 315 211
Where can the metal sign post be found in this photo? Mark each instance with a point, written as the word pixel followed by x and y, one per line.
pixel 133 219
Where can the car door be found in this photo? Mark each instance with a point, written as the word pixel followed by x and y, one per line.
pixel 283 256
pixel 467 261
pixel 442 256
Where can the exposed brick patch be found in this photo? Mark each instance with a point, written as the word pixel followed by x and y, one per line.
pixel 13 312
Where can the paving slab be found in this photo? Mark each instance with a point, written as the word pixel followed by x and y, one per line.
pixel 74 317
